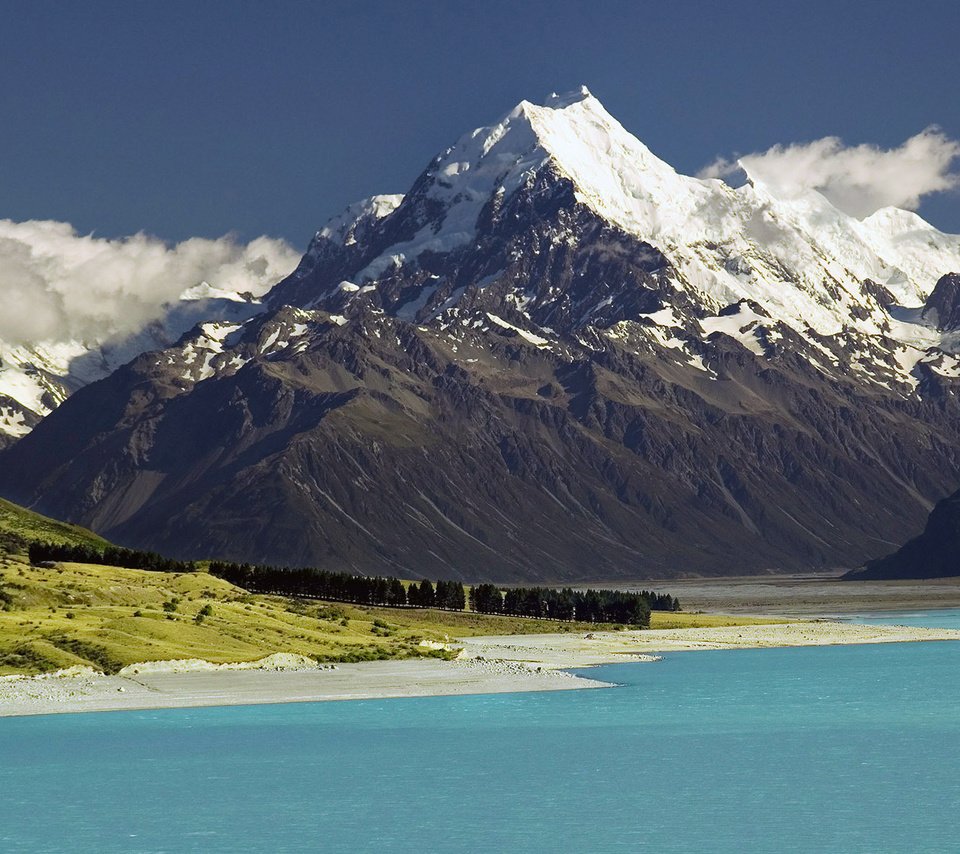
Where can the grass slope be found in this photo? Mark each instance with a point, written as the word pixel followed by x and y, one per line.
pixel 18 526
pixel 109 617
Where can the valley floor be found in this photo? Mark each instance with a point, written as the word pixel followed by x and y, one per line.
pixel 488 664
pixel 807 595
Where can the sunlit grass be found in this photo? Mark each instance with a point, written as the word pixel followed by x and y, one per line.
pixel 107 617
pixel 24 525
pixel 683 620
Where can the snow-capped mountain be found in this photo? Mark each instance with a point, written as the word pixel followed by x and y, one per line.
pixel 553 358
pixel 37 378
pixel 812 268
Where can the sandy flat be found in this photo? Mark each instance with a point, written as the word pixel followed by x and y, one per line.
pixel 584 650
pixel 225 687
pixel 486 665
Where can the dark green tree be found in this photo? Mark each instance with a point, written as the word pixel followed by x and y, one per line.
pixel 426 594
pixel 396 595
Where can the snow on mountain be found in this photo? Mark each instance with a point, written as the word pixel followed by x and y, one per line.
pixel 344 228
pixel 76 306
pixel 347 229
pixel 36 378
pixel 812 267
pixel 850 291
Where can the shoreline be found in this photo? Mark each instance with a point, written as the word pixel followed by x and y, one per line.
pixel 486 665
pixel 370 680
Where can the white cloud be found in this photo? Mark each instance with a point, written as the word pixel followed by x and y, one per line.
pixel 857 179
pixel 57 285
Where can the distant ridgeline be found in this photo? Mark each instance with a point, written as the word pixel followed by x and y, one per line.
pixel 591 606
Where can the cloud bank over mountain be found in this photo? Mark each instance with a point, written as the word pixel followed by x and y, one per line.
pixel 858 179
pixel 59 285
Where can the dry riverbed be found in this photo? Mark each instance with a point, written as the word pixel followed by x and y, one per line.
pixel 806 595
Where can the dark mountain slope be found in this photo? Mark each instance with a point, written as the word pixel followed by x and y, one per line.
pixel 375 448
pixel 933 554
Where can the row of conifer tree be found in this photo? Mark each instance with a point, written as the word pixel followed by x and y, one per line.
pixel 590 606
pixel 107 556
pixel 342 586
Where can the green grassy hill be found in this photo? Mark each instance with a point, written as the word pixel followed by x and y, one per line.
pixel 18 526
pixel 109 617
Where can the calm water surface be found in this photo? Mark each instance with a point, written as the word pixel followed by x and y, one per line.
pixel 943 618
pixel 840 749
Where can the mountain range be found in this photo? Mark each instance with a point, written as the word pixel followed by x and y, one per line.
pixel 553 359
pixel 35 378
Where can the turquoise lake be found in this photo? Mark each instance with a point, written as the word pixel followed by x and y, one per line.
pixel 943 618
pixel 839 749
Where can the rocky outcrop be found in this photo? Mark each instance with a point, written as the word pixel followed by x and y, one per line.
pixel 943 305
pixel 933 554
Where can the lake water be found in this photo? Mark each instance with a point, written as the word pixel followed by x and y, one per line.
pixel 837 749
pixel 944 618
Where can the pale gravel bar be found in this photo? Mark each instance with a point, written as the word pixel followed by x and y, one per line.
pixel 487 665
pixel 579 650
pixel 365 681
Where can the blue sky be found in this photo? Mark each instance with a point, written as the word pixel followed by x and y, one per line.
pixel 203 118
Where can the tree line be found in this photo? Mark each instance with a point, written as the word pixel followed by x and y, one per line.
pixel 589 606
pixel 107 556
pixel 342 586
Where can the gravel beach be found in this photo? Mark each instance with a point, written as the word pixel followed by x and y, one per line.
pixel 486 665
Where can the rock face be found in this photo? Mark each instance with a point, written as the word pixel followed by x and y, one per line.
pixel 554 359
pixel 933 554
pixel 943 304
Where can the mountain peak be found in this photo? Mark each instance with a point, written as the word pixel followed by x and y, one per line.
pixel 798 255
pixel 572 134
pixel 342 227
pixel 575 96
